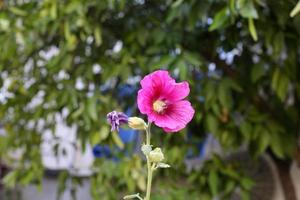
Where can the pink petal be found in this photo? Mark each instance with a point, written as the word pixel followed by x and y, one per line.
pixel 156 79
pixel 144 101
pixel 176 117
pixel 176 91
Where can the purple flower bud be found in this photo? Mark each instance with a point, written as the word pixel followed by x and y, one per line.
pixel 116 119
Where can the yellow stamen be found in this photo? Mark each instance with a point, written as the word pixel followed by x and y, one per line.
pixel 159 106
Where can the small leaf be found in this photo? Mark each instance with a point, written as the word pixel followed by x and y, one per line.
pixel 247 10
pixel 211 123
pixel 78 112
pixel 177 3
pixel 224 93
pixel 10 179
pixel 280 83
pixel 252 29
pixel 192 58
pixel 17 11
pixel 257 72
pixel 213 182
pixel 247 183
pixel 276 145
pixel 27 177
pixel 98 36
pixel 246 130
pixel 295 10
pixel 220 19
pixel 91 109
pixel 263 142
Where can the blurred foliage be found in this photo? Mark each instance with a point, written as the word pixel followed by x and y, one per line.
pixel 241 58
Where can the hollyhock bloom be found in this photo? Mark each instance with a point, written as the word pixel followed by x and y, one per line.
pixel 162 100
pixel 116 119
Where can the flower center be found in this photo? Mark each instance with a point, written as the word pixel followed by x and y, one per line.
pixel 159 106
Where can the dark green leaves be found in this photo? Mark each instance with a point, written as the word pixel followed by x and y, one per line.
pixel 280 83
pixel 257 72
pixel 221 19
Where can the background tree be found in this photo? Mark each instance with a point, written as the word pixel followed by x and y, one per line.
pixel 241 57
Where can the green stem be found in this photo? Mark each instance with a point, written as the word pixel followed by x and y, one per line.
pixel 149 168
pixel 148 134
pixel 149 180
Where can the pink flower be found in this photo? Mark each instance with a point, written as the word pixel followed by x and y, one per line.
pixel 161 99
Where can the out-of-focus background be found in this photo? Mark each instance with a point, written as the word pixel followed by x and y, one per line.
pixel 65 64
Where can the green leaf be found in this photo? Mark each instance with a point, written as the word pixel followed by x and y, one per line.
pixel 257 72
pixel 212 123
pixel 252 29
pixel 232 6
pixel 62 181
pixel 27 177
pixel 263 141
pixel 183 69
pixel 98 36
pixel 278 43
pixel 165 60
pixel 78 112
pixel 213 182
pixel 229 187
pixel 233 85
pixel 295 10
pixel 177 3
pixel 10 179
pixel 247 10
pixel 209 90
pixel 280 83
pixel 276 145
pixel 100 135
pixel 246 130
pixel 92 109
pixel 245 195
pixel 17 11
pixel 192 58
pixel 224 94
pixel 220 19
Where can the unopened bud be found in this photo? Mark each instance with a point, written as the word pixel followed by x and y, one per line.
pixel 137 123
pixel 146 149
pixel 156 155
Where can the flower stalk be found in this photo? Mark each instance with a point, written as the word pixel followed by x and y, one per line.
pixel 149 168
pixel 165 106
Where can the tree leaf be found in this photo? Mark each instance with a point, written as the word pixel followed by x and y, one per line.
pixel 220 19
pixel 213 182
pixel 10 179
pixel 211 123
pixel 247 10
pixel 257 72
pixel 92 109
pixel 295 10
pixel 252 29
